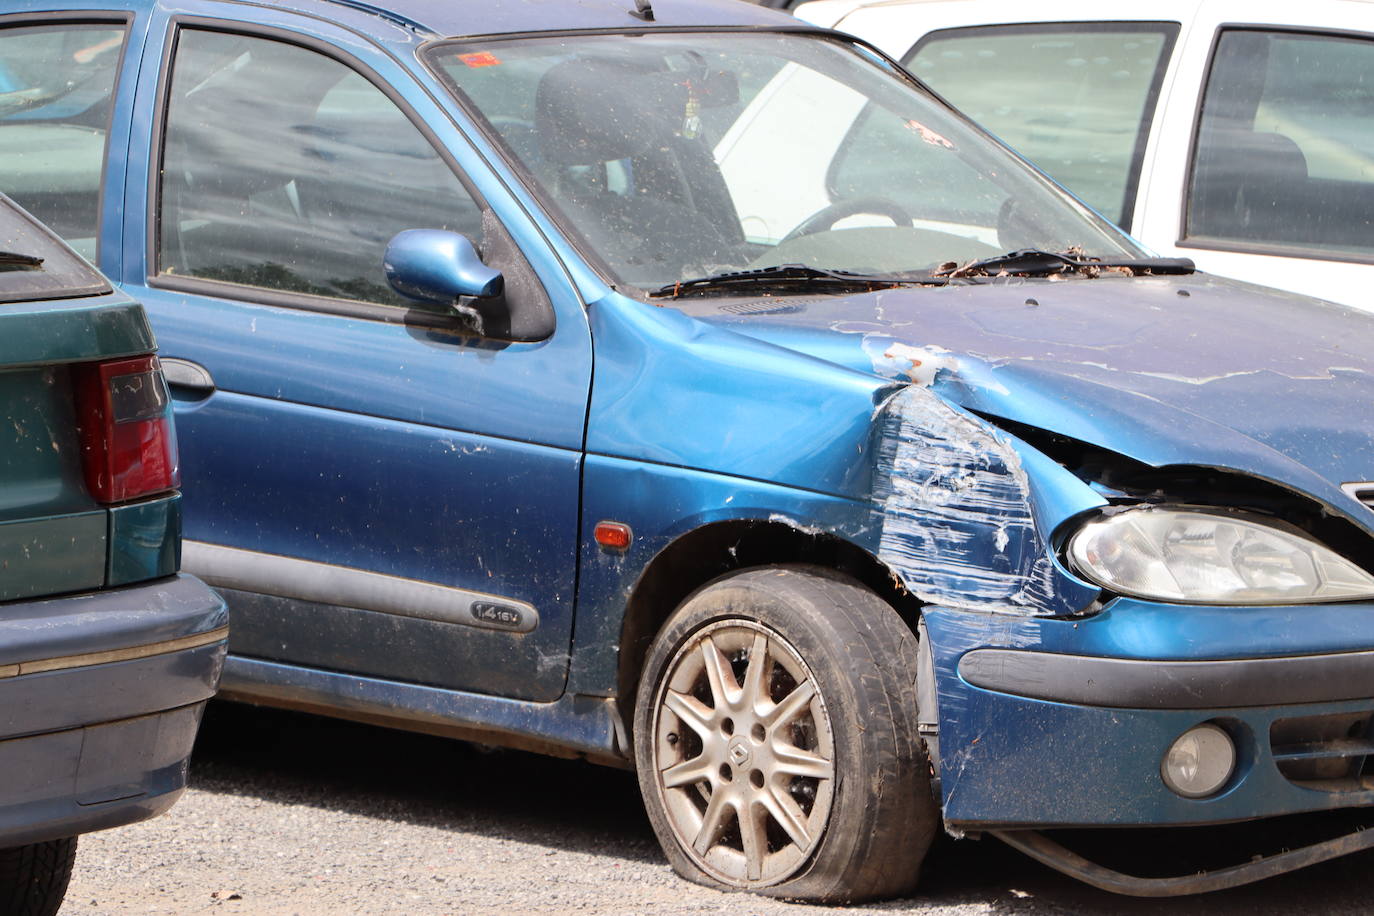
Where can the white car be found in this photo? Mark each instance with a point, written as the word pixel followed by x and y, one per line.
pixel 1238 133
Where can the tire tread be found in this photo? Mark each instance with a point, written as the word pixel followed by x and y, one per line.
pixel 34 878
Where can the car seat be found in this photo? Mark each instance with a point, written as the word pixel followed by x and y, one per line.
pixel 614 155
pixel 1248 185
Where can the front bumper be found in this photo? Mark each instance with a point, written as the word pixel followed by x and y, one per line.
pixel 100 697
pixel 1056 723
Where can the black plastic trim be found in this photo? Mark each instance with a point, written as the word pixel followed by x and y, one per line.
pixel 799 27
pixel 1047 851
pixel 1271 250
pixel 346 308
pixel 1157 684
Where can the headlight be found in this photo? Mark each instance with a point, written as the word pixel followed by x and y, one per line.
pixel 1211 557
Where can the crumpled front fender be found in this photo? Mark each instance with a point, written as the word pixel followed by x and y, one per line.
pixel 968 512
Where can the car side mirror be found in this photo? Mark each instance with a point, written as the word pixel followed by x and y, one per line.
pixel 433 265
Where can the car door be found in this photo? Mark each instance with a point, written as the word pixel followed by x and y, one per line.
pixel 1265 164
pixel 380 489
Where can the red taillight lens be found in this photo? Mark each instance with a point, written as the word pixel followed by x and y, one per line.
pixel 128 446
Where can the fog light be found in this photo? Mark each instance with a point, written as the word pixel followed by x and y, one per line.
pixel 1199 762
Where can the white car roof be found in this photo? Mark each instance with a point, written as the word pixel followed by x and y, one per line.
pixel 831 11
pixel 905 20
pixel 934 14
pixel 893 25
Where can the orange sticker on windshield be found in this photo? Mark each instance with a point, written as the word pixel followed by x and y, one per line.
pixel 480 59
pixel 928 135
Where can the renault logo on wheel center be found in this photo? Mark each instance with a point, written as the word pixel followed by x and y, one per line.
pixel 739 751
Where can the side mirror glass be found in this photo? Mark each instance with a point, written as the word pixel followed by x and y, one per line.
pixel 433 265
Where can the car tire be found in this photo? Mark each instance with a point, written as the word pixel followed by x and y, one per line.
pixel 805 779
pixel 33 878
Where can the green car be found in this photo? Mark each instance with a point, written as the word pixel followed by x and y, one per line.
pixel 107 653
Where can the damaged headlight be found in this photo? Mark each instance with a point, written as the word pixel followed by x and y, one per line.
pixel 1211 557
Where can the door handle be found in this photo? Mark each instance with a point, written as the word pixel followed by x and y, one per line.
pixel 191 378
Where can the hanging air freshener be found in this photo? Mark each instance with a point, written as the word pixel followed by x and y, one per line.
pixel 691 117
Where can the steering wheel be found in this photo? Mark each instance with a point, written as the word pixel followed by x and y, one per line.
pixel 826 217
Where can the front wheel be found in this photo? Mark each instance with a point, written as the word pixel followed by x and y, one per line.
pixel 776 741
pixel 33 878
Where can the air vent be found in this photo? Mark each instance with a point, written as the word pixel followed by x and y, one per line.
pixel 1364 492
pixel 1327 753
pixel 787 306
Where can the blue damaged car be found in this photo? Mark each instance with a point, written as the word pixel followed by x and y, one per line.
pixel 682 386
pixel 107 655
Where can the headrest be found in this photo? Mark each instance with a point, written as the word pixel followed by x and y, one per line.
pixel 596 110
pixel 1239 155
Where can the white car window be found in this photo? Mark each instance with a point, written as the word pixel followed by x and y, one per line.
pixel 1284 157
pixel 1074 98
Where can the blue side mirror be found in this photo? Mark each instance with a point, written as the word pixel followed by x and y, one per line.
pixel 433 265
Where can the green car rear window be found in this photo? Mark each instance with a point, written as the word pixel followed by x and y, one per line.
pixel 35 264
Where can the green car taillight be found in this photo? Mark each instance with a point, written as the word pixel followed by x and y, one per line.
pixel 128 446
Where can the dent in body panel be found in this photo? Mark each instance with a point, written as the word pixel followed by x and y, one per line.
pixel 958 524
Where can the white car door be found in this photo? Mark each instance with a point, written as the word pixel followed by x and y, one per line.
pixel 1263 167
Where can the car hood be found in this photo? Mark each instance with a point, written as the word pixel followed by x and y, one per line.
pixel 1193 370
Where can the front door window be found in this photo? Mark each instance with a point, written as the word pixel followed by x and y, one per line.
pixel 298 191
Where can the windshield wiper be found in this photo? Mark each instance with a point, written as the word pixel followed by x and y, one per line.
pixel 13 260
pixel 789 275
pixel 1034 262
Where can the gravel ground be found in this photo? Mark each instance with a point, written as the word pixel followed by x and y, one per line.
pixel 292 814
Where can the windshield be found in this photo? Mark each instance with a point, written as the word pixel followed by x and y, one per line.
pixel 682 155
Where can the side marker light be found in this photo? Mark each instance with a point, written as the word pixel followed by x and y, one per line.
pixel 613 535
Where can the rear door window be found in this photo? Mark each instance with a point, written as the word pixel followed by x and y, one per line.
pixel 1284 156
pixel 1076 99
pixel 56 87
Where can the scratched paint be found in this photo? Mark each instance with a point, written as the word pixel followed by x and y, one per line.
pixel 922 365
pixel 894 359
pixel 956 510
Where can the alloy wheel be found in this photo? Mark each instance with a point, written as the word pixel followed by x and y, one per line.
pixel 743 754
